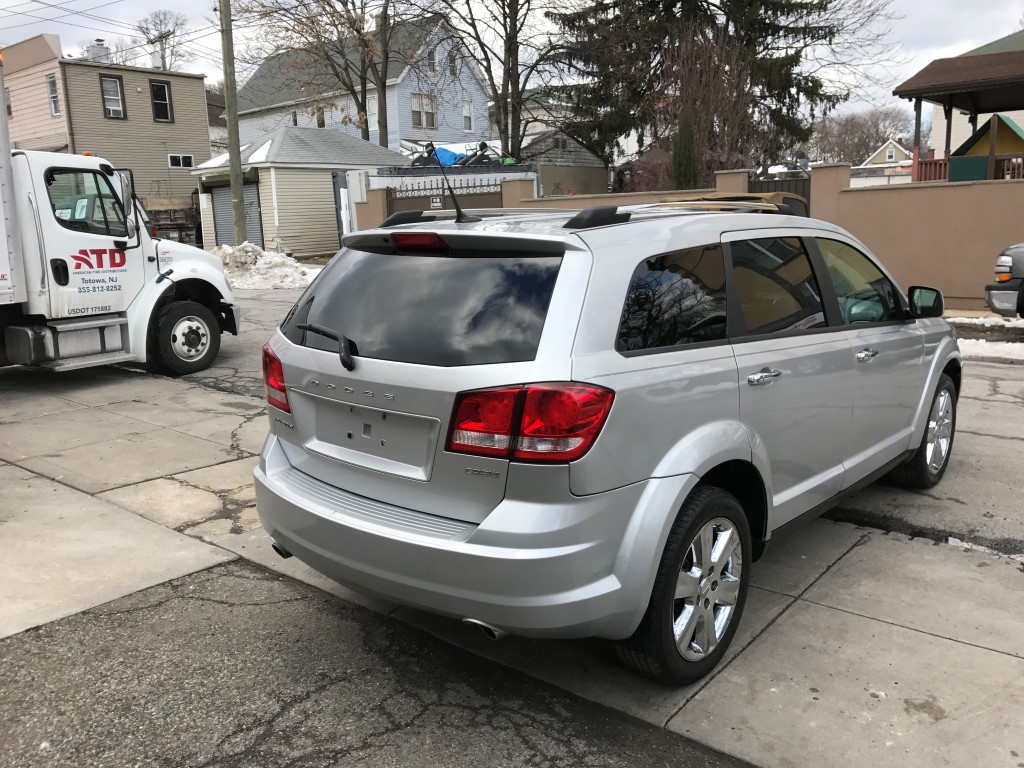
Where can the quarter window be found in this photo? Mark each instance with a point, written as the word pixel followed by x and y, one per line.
pixel 84 201
pixel 7 101
pixel 54 96
pixel 675 299
pixel 775 286
pixel 113 97
pixel 160 93
pixel 865 294
pixel 424 113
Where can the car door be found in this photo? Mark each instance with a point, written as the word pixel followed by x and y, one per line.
pixel 85 233
pixel 794 369
pixel 887 353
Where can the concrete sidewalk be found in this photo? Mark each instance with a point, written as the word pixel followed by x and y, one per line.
pixel 857 648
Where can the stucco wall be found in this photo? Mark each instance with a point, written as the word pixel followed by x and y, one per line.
pixel 938 234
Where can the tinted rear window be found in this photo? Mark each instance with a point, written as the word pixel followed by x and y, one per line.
pixel 431 310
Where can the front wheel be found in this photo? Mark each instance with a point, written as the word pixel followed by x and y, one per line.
pixel 699 591
pixel 188 337
pixel 928 464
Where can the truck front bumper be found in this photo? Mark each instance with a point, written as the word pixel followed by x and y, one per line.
pixel 1004 298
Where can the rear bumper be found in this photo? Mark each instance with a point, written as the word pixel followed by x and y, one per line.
pixel 1004 298
pixel 528 582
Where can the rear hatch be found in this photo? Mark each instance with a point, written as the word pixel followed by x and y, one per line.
pixel 422 323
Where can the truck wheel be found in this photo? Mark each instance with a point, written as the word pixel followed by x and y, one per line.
pixel 698 594
pixel 188 337
pixel 929 463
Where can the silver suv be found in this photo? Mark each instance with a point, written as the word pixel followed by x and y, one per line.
pixel 558 425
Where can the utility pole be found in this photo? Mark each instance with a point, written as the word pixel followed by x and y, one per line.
pixel 231 115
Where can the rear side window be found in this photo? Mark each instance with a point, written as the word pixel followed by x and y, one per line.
pixel 775 286
pixel 429 309
pixel 675 299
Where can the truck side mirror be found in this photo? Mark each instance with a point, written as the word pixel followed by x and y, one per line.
pixel 926 302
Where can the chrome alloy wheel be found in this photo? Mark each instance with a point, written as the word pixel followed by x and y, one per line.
pixel 940 431
pixel 707 589
pixel 190 338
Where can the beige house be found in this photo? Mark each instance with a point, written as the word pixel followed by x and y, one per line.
pixel 151 121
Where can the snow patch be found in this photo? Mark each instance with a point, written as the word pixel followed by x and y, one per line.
pixel 988 322
pixel 249 266
pixel 979 349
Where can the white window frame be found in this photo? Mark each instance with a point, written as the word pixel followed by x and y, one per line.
pixel 432 60
pixel 53 94
pixel 467 115
pixel 372 106
pixel 890 154
pixel 181 164
pixel 107 112
pixel 424 105
pixel 453 63
pixel 153 101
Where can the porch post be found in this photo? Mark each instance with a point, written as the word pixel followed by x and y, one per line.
pixel 993 127
pixel 917 122
pixel 947 110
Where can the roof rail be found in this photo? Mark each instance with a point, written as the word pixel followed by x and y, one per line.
pixel 597 216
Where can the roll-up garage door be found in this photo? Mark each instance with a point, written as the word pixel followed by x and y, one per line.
pixel 224 224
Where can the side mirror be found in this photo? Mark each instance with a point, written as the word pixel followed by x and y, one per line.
pixel 132 229
pixel 926 302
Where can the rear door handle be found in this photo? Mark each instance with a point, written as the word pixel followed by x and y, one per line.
pixel 867 355
pixel 764 376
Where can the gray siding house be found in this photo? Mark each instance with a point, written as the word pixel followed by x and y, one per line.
pixel 434 93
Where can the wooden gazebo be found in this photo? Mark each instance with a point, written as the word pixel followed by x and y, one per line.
pixel 975 84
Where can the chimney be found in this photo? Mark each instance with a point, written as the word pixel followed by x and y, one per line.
pixel 156 60
pixel 98 52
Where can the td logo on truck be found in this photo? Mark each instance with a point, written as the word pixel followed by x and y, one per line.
pixel 93 258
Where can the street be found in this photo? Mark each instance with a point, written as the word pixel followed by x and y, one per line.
pixel 158 628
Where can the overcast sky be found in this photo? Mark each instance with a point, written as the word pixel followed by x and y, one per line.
pixel 929 29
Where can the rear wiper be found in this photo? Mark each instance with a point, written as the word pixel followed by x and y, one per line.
pixel 344 345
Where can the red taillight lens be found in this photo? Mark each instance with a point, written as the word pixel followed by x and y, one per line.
pixel 273 380
pixel 419 241
pixel 560 421
pixel 536 422
pixel 483 421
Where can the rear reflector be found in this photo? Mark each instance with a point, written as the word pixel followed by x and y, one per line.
pixel 419 241
pixel 553 422
pixel 1002 277
pixel 273 380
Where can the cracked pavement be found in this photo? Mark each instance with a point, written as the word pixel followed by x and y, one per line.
pixel 234 666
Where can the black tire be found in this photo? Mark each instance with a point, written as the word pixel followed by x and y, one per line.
pixel 171 357
pixel 919 473
pixel 652 650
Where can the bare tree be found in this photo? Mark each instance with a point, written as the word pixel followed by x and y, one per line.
pixel 851 138
pixel 164 31
pixel 510 43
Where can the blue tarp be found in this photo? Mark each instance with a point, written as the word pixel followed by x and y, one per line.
pixel 446 157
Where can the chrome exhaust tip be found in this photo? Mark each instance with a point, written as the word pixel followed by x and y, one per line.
pixel 284 553
pixel 491 633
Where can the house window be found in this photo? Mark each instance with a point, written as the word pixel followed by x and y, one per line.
pixel 7 100
pixel 424 111
pixel 467 115
pixel 51 89
pixel 113 97
pixel 890 154
pixel 453 68
pixel 179 161
pixel 371 113
pixel 160 93
pixel 432 60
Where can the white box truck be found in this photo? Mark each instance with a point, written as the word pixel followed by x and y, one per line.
pixel 83 279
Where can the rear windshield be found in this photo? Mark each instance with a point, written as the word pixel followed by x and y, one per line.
pixel 429 309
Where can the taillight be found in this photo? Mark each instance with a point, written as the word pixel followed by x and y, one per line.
pixel 536 422
pixel 482 422
pixel 560 421
pixel 273 380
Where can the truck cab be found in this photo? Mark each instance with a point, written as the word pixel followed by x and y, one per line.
pixel 86 283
